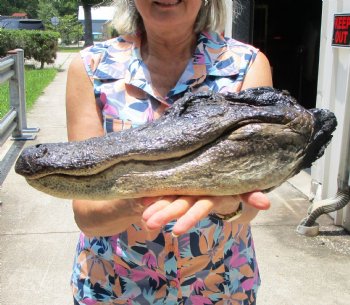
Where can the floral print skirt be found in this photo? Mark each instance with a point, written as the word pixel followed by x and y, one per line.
pixel 214 263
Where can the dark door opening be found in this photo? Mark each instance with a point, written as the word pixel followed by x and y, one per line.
pixel 288 32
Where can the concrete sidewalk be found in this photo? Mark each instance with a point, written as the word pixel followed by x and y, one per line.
pixel 38 234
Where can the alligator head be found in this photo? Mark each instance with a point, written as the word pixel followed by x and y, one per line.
pixel 205 144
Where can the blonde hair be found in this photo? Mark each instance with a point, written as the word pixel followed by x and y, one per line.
pixel 211 17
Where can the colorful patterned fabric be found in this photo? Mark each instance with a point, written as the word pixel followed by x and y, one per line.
pixel 213 263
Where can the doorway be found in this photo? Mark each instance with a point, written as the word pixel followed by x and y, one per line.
pixel 288 32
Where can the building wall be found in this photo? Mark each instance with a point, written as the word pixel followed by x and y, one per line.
pixel 97 26
pixel 333 92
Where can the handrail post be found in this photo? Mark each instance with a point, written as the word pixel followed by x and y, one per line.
pixel 18 98
pixel 17 91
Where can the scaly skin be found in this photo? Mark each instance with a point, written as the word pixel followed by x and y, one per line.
pixel 205 144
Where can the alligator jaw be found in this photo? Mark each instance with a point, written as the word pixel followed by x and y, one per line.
pixel 224 167
pixel 205 144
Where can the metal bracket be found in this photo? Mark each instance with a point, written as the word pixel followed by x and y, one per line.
pixel 27 134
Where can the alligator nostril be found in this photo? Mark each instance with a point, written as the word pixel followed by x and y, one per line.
pixel 41 151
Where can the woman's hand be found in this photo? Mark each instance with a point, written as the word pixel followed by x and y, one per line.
pixel 109 217
pixel 105 218
pixel 188 210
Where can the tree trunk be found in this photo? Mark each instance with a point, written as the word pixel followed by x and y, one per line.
pixel 87 25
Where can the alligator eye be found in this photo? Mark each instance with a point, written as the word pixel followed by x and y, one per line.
pixel 38 145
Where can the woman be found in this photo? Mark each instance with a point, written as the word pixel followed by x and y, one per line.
pixel 133 251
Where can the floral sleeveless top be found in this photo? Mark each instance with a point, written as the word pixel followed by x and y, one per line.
pixel 213 263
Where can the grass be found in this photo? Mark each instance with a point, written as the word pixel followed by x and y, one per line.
pixel 36 80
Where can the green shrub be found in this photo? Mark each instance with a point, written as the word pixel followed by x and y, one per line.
pixel 39 45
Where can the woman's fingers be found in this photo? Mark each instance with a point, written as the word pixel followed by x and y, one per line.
pixel 247 215
pixel 155 204
pixel 163 213
pixel 257 200
pixel 147 201
pixel 189 210
pixel 195 213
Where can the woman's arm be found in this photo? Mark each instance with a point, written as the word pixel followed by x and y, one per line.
pixel 259 73
pixel 84 120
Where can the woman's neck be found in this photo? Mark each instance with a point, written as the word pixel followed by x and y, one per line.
pixel 166 58
pixel 168 47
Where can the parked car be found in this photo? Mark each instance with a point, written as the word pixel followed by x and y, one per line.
pixel 22 24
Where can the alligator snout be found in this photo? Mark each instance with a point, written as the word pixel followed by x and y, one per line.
pixel 26 164
pixel 205 144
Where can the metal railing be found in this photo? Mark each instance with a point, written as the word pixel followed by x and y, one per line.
pixel 14 122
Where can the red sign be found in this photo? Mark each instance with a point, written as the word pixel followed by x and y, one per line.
pixel 341 29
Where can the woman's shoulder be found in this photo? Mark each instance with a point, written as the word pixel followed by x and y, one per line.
pixel 220 43
pixel 98 58
pixel 225 55
pixel 116 43
pixel 239 46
